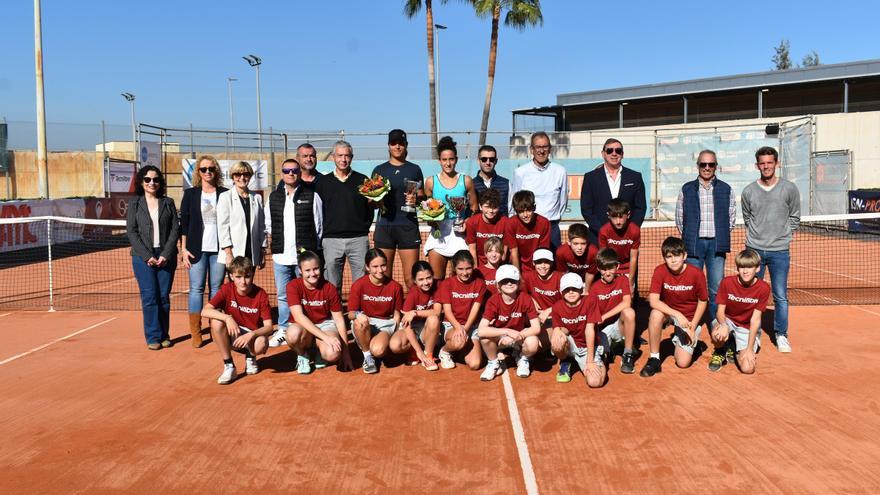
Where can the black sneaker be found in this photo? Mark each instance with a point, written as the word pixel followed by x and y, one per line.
pixel 628 363
pixel 651 368
pixel 716 361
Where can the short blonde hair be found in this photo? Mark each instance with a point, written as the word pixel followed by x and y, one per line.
pixel 241 168
pixel 747 258
pixel 197 177
pixel 493 242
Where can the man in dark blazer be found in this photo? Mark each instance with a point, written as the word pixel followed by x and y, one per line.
pixel 608 181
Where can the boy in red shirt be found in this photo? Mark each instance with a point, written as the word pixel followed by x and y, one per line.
pixel 574 333
pixel 493 249
pixel 509 322
pixel 742 298
pixel 543 285
pixel 487 225
pixel 462 297
pixel 525 232
pixel 240 319
pixel 678 297
pixel 578 256
pixel 316 316
pixel 622 236
pixel 612 296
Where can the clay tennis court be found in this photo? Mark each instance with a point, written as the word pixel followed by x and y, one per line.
pixel 85 409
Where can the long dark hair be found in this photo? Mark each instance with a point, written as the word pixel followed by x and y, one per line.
pixel 139 181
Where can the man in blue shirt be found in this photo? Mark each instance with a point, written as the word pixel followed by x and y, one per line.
pixel 486 178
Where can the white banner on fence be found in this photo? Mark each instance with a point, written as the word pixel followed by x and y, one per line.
pixel 260 180
pixel 121 177
pixel 151 154
pixel 16 236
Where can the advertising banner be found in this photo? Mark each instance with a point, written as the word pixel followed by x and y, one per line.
pixel 150 154
pixel 27 235
pixel 864 201
pixel 121 178
pixel 260 180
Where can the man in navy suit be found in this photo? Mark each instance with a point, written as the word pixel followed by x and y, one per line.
pixel 611 180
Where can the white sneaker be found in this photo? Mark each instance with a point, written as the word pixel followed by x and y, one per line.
pixel 522 367
pixel 250 365
pixel 446 361
pixel 493 369
pixel 228 376
pixel 278 338
pixel 782 344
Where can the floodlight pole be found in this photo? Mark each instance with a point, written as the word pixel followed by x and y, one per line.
pixel 229 81
pixel 42 148
pixel 439 27
pixel 255 61
pixel 129 97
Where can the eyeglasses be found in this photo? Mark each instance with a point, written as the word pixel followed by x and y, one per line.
pixel 289 171
pixel 543 147
pixel 707 164
pixel 242 174
pixel 208 170
pixel 489 159
pixel 613 151
pixel 154 180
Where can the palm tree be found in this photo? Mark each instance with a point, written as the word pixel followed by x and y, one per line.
pixel 520 15
pixel 411 8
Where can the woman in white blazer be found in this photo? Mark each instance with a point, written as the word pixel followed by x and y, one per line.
pixel 240 219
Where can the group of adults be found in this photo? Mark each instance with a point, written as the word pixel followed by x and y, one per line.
pixel 327 214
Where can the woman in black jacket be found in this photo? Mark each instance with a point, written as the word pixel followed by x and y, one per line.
pixel 199 239
pixel 152 231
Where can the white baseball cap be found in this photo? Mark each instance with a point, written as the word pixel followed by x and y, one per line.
pixel 506 272
pixel 570 281
pixel 542 254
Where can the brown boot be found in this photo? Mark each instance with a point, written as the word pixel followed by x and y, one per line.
pixel 195 329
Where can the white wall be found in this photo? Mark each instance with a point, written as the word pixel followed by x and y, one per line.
pixel 858 132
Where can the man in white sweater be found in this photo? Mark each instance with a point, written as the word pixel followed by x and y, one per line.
pixel 771 209
pixel 547 180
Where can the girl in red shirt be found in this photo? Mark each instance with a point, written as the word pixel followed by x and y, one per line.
pixel 493 254
pixel 420 323
pixel 462 297
pixel 374 305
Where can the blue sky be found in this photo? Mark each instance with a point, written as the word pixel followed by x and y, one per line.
pixel 361 66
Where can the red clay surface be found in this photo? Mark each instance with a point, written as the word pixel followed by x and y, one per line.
pixel 98 413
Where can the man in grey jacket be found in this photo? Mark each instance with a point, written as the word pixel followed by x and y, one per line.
pixel 771 209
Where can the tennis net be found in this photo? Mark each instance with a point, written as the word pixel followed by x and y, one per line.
pixel 77 264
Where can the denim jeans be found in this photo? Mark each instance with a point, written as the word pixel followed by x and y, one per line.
pixel 155 287
pixel 206 268
pixel 714 263
pixel 778 263
pixel 555 235
pixel 283 275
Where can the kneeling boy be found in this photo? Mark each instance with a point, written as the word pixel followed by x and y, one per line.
pixel 574 333
pixel 611 294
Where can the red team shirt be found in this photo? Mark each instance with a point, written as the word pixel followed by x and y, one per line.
pixel 680 292
pixel 515 316
pixel 607 296
pixel 462 296
pixel 621 242
pixel 740 302
pixel 477 230
pixel 575 319
pixel 488 275
pixel 566 261
pixel 317 303
pixel 376 301
pixel 248 311
pixel 419 300
pixel 528 238
pixel 544 292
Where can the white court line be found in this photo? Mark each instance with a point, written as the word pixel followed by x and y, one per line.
pixel 836 274
pixel 35 349
pixel 835 301
pixel 867 311
pixel 519 435
pixel 5 314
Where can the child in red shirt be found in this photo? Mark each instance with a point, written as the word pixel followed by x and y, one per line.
pixel 612 296
pixel 487 225
pixel 374 305
pixel 510 321
pixel 742 298
pixel 578 256
pixel 574 333
pixel 420 323
pixel 525 232
pixel 493 254
pixel 542 285
pixel 623 236
pixel 678 297
pixel 462 297
pixel 240 319
pixel 316 314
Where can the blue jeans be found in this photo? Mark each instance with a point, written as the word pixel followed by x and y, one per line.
pixel 778 263
pixel 714 263
pixel 206 268
pixel 155 287
pixel 283 275
pixel 555 235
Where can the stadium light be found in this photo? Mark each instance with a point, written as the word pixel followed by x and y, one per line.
pixel 255 61
pixel 129 97
pixel 439 27
pixel 229 81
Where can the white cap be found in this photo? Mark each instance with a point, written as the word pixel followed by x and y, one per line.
pixel 570 281
pixel 542 254
pixel 506 272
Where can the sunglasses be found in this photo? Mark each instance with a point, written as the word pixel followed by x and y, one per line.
pixel 208 170
pixel 289 171
pixel 707 164
pixel 613 151
pixel 488 159
pixel 508 281
pixel 153 180
pixel 244 174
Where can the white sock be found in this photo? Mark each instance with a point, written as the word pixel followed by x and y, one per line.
pixel 655 355
pixel 367 354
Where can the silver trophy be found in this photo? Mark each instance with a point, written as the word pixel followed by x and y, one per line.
pixel 410 187
pixel 457 204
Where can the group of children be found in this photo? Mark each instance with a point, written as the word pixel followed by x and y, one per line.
pixel 508 296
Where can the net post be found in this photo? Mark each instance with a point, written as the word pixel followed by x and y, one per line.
pixel 49 246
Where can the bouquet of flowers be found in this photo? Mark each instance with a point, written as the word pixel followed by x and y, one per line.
pixel 375 188
pixel 432 210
